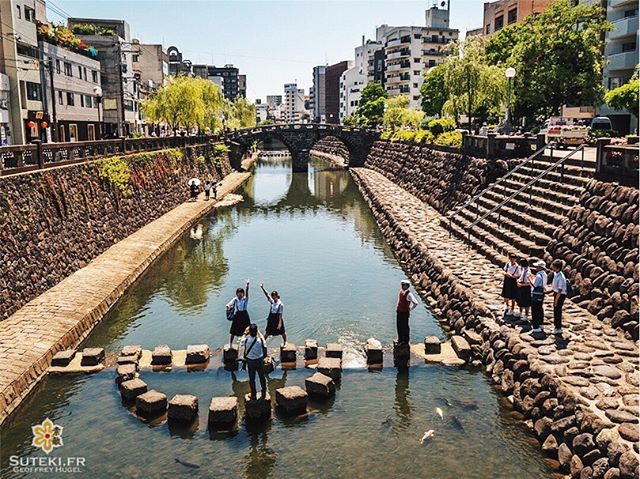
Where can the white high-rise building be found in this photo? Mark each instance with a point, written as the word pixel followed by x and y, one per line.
pixel 294 110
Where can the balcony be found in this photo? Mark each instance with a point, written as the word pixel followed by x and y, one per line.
pixel 434 53
pixel 622 61
pixel 405 52
pixel 397 78
pixel 398 66
pixel 393 42
pixel 625 27
pixel 622 3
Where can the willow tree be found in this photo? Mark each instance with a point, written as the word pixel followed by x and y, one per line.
pixel 213 103
pixel 470 81
pixel 398 115
pixel 178 103
pixel 240 114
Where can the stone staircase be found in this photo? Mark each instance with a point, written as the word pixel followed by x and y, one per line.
pixel 526 223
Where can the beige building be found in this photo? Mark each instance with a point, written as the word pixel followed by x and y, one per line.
pixel 502 13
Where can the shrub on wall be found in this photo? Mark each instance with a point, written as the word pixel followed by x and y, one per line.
pixel 438 126
pixel 116 171
pixel 450 138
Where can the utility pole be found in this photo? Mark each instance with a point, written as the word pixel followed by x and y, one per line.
pixel 54 121
pixel 120 81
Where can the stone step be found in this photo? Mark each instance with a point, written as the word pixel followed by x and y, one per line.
pixel 570 171
pixel 521 208
pixel 535 201
pixel 509 187
pixel 576 160
pixel 566 188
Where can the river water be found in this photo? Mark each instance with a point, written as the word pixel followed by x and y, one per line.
pixel 312 237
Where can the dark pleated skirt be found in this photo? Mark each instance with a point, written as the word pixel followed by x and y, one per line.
pixel 510 288
pixel 274 326
pixel 240 322
pixel 524 296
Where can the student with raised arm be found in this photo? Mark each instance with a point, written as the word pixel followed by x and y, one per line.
pixel 238 305
pixel 275 323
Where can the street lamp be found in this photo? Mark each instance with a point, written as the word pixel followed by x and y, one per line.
pixel 510 73
pixel 97 91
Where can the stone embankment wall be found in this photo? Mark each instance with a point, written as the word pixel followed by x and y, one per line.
pixel 599 243
pixel 441 179
pixel 53 222
pixel 587 444
pixel 332 148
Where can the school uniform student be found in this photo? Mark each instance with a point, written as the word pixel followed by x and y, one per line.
pixel 207 190
pixel 511 273
pixel 559 288
pixel 538 285
pixel 238 305
pixel 252 346
pixel 524 289
pixel 275 323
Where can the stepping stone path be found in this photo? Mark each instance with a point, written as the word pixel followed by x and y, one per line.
pixel 288 353
pixel 183 407
pixel 257 409
pixel 132 388
pixel 162 355
pixel 132 350
pixel 197 354
pixel 331 367
pixel 292 399
pixel 63 358
pixel 223 412
pixel 373 350
pixel 310 349
pixel 92 356
pixel 151 403
pixel 461 347
pixel 432 345
pixel 230 353
pixel 125 372
pixel 334 350
pixel 320 385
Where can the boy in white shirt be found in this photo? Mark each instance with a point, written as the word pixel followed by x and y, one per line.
pixel 559 288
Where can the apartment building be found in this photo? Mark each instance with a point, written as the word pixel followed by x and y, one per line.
pixel 332 90
pixel 227 77
pixel 318 93
pixel 501 13
pixel 353 80
pixel 120 87
pixel 178 65
pixel 294 110
pixel 23 109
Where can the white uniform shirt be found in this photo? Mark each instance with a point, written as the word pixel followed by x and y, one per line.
pixel 512 268
pixel 256 349
pixel 239 304
pixel 413 302
pixel 559 283
pixel 540 279
pixel 524 275
pixel 277 307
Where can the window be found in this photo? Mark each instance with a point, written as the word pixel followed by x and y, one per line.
pixel 84 73
pixel 88 101
pixel 91 132
pixel 70 99
pixel 58 67
pixel 61 134
pixel 19 11
pixel 27 51
pixel 614 82
pixel 29 14
pixel 73 132
pixel 416 60
pixel 417 36
pixel 512 16
pixel 34 92
pixel 629 46
pixel 434 38
pixel 415 85
pixel 60 98
pixel 128 105
pixel 487 29
pixel 67 69
pixel 79 72
pixel 82 101
pixel 94 76
pixel 631 13
pixel 432 63
pixel 499 23
pixel 135 58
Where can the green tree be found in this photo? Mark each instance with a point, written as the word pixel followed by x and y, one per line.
pixel 178 103
pixel 433 90
pixel 371 107
pixel 557 55
pixel 240 114
pixel 398 115
pixel 625 97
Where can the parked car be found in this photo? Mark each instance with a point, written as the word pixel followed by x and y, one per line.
pixel 601 123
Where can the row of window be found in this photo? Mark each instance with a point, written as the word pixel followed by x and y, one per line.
pixel 498 23
pixel 67 67
pixel 86 101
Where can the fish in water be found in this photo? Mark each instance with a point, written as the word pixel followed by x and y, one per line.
pixel 388 421
pixel 439 412
pixel 427 435
pixel 444 401
pixel 457 423
pixel 187 464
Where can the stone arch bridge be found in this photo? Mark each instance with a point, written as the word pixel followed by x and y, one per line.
pixel 300 138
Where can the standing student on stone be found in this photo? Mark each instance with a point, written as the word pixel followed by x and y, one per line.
pixel 194 190
pixel 214 189
pixel 524 289
pixel 406 303
pixel 275 323
pixel 238 305
pixel 559 288
pixel 538 285
pixel 207 190
pixel 511 273
pixel 253 346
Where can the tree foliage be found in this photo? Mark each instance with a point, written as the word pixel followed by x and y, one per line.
pixel 433 90
pixel 625 97
pixel 398 115
pixel 371 107
pixel 557 55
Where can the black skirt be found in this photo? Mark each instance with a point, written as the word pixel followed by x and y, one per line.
pixel 524 296
pixel 510 288
pixel 240 322
pixel 275 327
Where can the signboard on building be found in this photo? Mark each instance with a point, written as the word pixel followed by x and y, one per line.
pixel 110 104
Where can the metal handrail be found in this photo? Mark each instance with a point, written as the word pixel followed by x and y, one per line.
pixel 560 162
pixel 450 214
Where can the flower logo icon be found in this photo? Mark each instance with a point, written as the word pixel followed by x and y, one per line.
pixel 47 435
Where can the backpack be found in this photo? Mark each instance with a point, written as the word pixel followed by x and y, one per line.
pixel 569 289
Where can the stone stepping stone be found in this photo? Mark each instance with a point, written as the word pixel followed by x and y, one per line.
pixel 432 345
pixel 334 350
pixel 331 367
pixel 310 349
pixel 223 412
pixel 125 372
pixel 292 399
pixel 268 365
pixel 183 407
pixel 257 409
pixel 92 356
pixel 197 354
pixel 320 385
pixel 127 360
pixel 132 388
pixel 63 358
pixel 288 353
pixel 132 350
pixel 161 355
pixel 151 403
pixel 461 347
pixel 230 353
pixel 373 350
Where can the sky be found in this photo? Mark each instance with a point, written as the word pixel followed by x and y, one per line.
pixel 272 42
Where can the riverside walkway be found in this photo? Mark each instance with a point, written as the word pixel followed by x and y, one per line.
pixel 593 361
pixel 63 316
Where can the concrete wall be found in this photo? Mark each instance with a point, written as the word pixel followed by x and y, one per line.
pixel 53 222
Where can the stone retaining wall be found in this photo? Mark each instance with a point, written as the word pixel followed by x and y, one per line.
pixel 440 179
pixel 587 444
pixel 599 242
pixel 53 222
pixel 332 148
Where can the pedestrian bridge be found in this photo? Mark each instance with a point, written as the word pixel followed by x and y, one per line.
pixel 299 139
